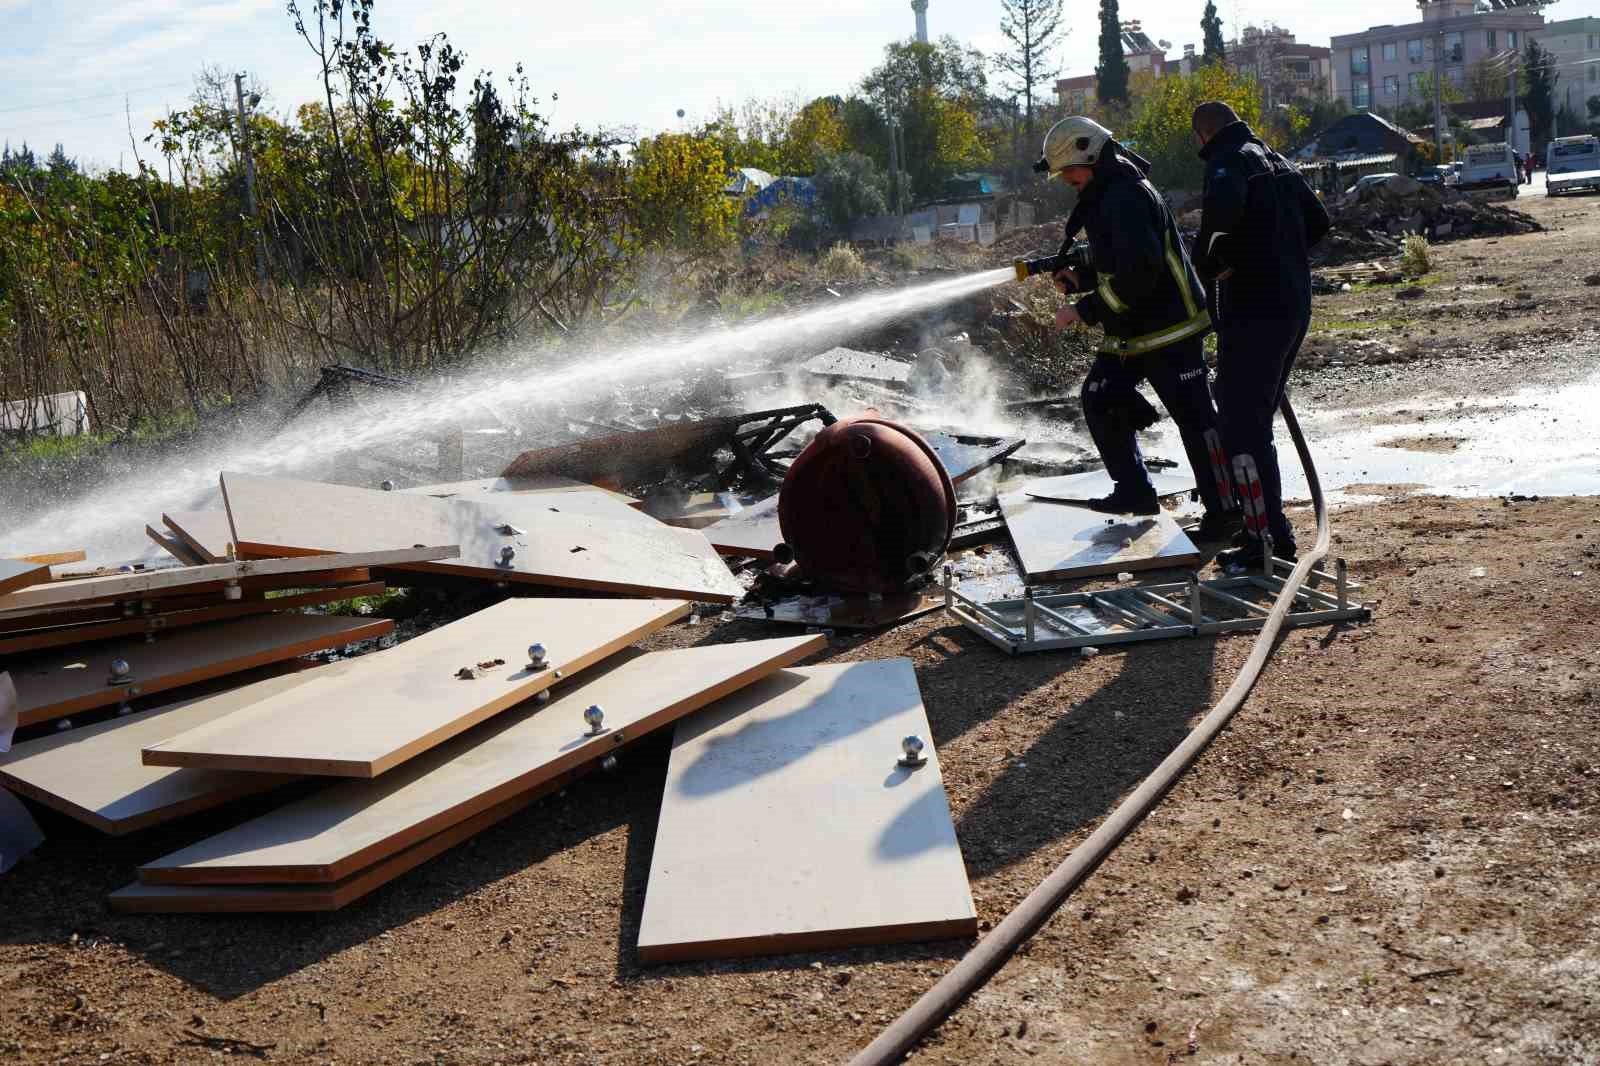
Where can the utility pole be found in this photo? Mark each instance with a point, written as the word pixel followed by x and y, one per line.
pixel 1511 105
pixel 894 171
pixel 250 180
pixel 1438 96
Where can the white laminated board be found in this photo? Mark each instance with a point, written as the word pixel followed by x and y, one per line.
pixel 61 682
pixel 206 533
pixel 1092 483
pixel 639 556
pixel 536 484
pixel 400 702
pixel 93 773
pixel 1059 541
pixel 788 825
pixel 862 366
pixel 330 835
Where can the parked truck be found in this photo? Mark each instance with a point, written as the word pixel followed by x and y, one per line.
pixel 1572 163
pixel 1489 168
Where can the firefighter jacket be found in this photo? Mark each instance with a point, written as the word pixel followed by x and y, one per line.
pixel 1145 292
pixel 1259 218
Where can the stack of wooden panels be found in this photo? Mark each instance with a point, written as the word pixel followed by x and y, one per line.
pixel 337 844
pixel 551 539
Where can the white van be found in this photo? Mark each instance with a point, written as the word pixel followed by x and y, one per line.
pixel 1489 166
pixel 1572 163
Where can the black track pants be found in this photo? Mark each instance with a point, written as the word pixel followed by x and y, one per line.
pixel 1115 411
pixel 1254 359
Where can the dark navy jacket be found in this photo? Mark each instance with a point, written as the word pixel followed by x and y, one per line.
pixel 1145 292
pixel 1259 219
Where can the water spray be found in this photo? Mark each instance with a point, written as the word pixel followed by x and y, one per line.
pixel 99 520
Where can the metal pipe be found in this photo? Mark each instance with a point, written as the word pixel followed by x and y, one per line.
pixel 991 953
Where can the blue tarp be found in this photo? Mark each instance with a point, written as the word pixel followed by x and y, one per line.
pixel 800 191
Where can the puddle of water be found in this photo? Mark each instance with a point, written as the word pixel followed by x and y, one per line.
pixel 1541 441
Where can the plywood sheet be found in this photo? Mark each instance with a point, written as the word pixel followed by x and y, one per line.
pixel 858 366
pixel 63 635
pixel 1092 483
pixel 57 683
pixel 18 574
pixel 695 510
pixel 184 580
pixel 75 555
pixel 93 773
pixel 786 824
pixel 753 532
pixel 405 700
pixel 964 455
pixel 180 598
pixel 1058 542
pixel 206 533
pixel 139 897
pixel 332 834
pixel 638 557
pixel 536 485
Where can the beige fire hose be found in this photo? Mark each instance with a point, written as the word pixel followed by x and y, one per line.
pixel 991 953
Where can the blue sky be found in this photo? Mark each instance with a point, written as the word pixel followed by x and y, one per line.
pixel 69 65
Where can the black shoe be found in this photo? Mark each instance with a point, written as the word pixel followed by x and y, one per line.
pixel 1218 526
pixel 1251 557
pixel 1126 501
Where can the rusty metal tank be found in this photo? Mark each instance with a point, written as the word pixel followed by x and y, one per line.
pixel 867 507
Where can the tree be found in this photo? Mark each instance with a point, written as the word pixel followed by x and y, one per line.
pixel 59 163
pixel 1111 74
pixel 1033 27
pixel 1485 80
pixel 850 186
pixel 675 195
pixel 933 93
pixel 1211 28
pixel 1162 129
pixel 1539 77
pixel 817 129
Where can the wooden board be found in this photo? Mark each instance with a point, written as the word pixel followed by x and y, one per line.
pixel 63 635
pixel 695 510
pixel 753 532
pixel 1059 542
pixel 183 580
pixel 58 683
pixel 630 456
pixel 183 598
pixel 76 555
pixel 206 533
pixel 405 700
pixel 275 516
pixel 141 898
pixel 174 547
pixel 786 824
pixel 542 483
pixel 332 834
pixel 858 366
pixel 93 773
pixel 19 574
pixel 1092 483
pixel 964 455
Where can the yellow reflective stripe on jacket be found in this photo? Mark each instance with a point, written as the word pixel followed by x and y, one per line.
pixel 1180 277
pixel 1109 295
pixel 1149 342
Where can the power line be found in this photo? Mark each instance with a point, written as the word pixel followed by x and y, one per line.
pixel 97 96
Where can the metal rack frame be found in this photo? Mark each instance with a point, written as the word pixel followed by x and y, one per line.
pixel 1036 622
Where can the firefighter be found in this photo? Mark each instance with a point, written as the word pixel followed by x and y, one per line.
pixel 1141 289
pixel 1258 220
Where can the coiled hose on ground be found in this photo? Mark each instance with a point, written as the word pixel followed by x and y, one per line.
pixel 991 953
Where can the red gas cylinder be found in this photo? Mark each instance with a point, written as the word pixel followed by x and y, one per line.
pixel 867 507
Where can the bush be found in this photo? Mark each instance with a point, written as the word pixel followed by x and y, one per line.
pixel 850 186
pixel 843 262
pixel 1414 256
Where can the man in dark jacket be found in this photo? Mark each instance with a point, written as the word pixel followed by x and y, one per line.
pixel 1258 219
pixel 1143 291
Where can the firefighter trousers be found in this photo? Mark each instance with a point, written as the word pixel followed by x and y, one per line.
pixel 1115 412
pixel 1254 359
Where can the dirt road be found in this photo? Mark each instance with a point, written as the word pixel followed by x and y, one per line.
pixel 1389 858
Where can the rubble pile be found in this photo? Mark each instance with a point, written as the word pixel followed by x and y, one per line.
pixel 1372 222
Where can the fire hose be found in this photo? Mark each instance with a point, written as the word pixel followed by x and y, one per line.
pixel 991 953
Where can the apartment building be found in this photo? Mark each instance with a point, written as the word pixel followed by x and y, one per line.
pixel 1575 44
pixel 1387 66
pixel 1285 68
